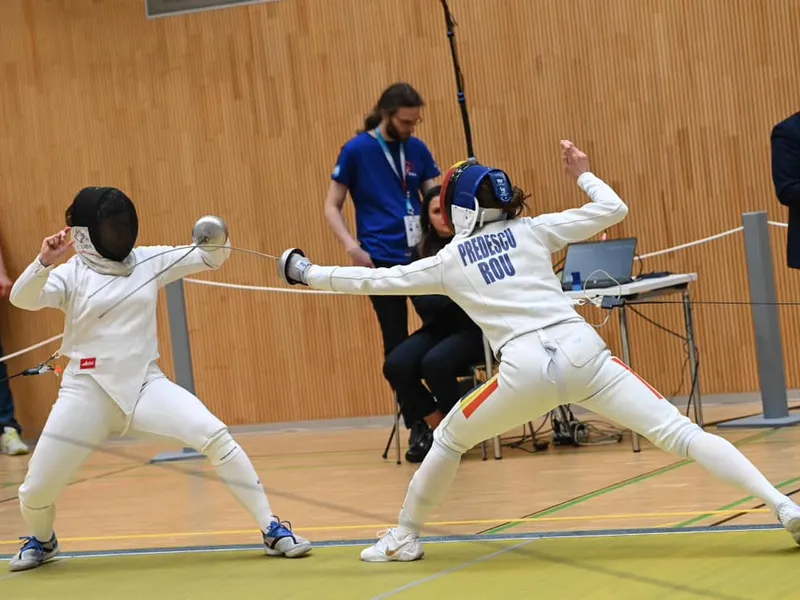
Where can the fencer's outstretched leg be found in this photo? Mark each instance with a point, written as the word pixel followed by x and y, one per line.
pixel 488 411
pixel 634 404
pixel 426 490
pixel 192 424
pixel 79 421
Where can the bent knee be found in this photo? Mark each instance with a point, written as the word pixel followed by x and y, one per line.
pixel 220 448
pixel 395 369
pixel 37 495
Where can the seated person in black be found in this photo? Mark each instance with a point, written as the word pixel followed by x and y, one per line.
pixel 443 349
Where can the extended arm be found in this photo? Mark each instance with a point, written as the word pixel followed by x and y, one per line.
pixel 576 224
pixel 418 278
pixel 177 262
pixel 786 165
pixel 41 287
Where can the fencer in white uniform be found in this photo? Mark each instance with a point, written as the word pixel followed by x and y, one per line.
pixel 498 268
pixel 112 383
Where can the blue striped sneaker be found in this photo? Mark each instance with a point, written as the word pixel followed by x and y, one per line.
pixel 279 540
pixel 34 553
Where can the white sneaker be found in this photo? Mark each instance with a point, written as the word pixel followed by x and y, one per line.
pixel 34 553
pixel 10 442
pixel 788 514
pixel 392 546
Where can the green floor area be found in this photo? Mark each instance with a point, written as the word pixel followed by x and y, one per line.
pixel 742 565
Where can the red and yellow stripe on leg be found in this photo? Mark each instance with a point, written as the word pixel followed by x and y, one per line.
pixel 474 399
pixel 639 377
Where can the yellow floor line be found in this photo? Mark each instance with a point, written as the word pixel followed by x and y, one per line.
pixel 142 536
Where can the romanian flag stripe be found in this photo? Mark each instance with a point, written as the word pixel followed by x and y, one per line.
pixel 473 401
pixel 649 387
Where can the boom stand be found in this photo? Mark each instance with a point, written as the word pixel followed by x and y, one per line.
pixel 766 323
pixel 182 357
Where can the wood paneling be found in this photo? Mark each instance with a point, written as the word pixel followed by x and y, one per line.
pixel 241 112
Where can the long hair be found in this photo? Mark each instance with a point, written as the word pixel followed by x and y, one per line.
pixel 396 96
pixel 514 208
pixel 431 241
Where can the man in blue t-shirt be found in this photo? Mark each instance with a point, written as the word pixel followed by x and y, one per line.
pixel 384 168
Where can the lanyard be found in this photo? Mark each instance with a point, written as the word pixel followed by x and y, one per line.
pixel 392 164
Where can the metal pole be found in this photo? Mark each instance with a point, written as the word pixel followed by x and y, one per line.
pixel 487 357
pixel 695 396
pixel 766 326
pixel 626 356
pixel 181 356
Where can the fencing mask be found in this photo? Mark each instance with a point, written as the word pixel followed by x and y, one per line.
pixel 104 226
pixel 460 209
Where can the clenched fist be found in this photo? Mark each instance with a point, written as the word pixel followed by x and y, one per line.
pixel 55 246
pixel 575 162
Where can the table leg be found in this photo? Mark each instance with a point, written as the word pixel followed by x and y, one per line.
pixel 626 356
pixel 487 357
pixel 695 397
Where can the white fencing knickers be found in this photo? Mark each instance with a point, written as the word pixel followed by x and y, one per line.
pixel 565 364
pixel 85 415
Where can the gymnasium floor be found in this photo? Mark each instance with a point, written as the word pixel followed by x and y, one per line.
pixel 591 522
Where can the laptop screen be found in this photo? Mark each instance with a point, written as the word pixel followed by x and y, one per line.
pixel 615 257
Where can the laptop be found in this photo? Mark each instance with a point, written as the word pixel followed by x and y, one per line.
pixel 599 264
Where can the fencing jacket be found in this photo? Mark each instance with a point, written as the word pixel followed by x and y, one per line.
pixel 500 275
pixel 115 348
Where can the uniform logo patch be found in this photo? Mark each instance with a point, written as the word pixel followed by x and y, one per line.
pixel 88 363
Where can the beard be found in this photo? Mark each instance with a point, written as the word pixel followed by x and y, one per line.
pixel 393 133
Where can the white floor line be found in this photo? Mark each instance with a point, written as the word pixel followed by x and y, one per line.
pixel 441 574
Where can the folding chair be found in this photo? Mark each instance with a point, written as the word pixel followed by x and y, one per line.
pixel 395 433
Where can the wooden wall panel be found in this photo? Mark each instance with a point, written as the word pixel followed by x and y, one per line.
pixel 241 112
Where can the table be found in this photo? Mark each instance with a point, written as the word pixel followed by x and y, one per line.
pixel 631 293
pixel 647 289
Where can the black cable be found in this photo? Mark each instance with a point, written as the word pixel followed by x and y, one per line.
pixel 686 349
pixel 656 324
pixel 10 377
pixel 721 302
pixel 462 98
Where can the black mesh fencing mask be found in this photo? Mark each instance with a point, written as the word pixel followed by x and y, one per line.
pixel 110 218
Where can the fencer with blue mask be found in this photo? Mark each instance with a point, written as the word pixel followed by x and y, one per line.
pixel 498 268
pixel 112 384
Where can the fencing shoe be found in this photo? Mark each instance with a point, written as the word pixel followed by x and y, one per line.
pixel 394 545
pixel 788 514
pixel 34 553
pixel 279 540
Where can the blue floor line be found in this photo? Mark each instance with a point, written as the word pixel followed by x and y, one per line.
pixel 497 537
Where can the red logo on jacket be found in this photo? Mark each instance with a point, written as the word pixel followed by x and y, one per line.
pixel 88 363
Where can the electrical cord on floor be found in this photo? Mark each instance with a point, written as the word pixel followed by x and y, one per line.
pixel 537 445
pixel 571 431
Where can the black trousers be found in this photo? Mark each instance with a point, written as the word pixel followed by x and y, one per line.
pixel 392 313
pixel 439 359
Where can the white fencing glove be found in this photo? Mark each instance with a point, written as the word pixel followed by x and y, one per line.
pixel 292 266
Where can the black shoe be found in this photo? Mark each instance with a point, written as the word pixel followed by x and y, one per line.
pixel 417 452
pixel 417 430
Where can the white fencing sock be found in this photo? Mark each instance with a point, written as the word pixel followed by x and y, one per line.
pixel 721 458
pixel 40 521
pixel 235 469
pixel 428 487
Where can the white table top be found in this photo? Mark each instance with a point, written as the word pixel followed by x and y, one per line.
pixel 645 286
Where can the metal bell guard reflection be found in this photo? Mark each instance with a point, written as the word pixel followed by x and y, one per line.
pixel 210 231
